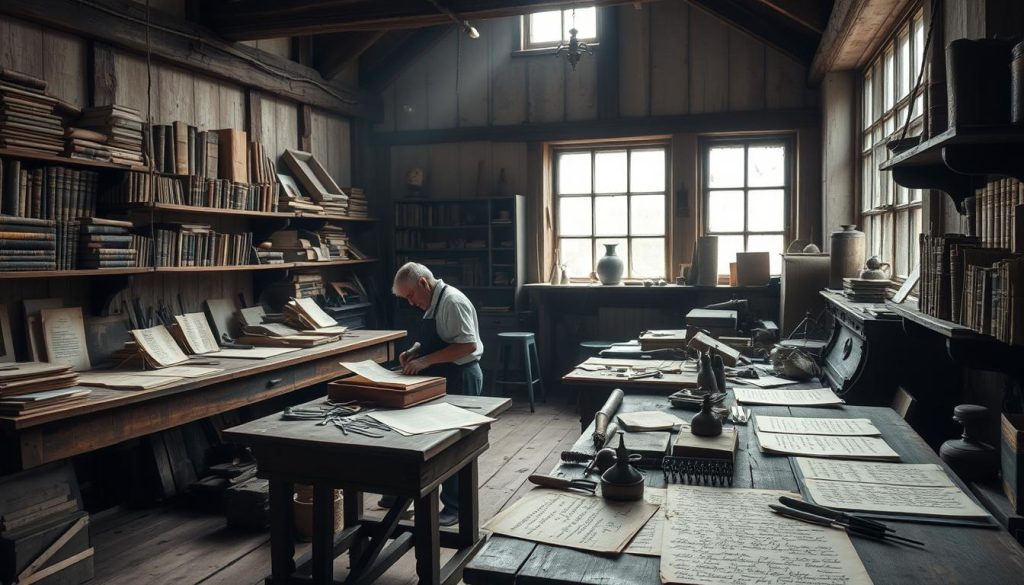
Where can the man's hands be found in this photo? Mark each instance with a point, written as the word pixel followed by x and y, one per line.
pixel 406 357
pixel 412 367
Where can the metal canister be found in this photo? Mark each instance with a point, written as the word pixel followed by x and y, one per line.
pixel 846 255
pixel 1017 84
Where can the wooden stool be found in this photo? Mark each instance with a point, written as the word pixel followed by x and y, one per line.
pixel 528 347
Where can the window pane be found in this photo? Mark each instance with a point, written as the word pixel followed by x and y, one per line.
pixel 610 172
pixel 586 23
pixel 647 215
pixel 766 210
pixel 766 166
pixel 648 258
pixel 725 166
pixel 868 117
pixel 574 217
pixel 727 248
pixel 725 211
pixel 647 170
pixel 610 216
pixel 918 46
pixel 905 66
pixel 915 233
pixel 866 187
pixel 574 173
pixel 902 257
pixel 890 78
pixel 546 27
pixel 622 251
pixel 577 255
pixel 771 244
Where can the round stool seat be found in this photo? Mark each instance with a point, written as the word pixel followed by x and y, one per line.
pixel 516 335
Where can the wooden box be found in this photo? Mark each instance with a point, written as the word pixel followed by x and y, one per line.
pixel 1012 460
pixel 343 391
pixel 72 562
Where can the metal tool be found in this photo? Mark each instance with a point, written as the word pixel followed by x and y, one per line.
pixel 560 483
pixel 859 530
pixel 831 514
pixel 654 374
pixel 694 470
pixel 739 415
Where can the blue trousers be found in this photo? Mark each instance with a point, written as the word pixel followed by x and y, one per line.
pixel 466 380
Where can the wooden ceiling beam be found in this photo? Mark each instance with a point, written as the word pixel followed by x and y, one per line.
pixel 336 51
pixel 795 42
pixel 810 14
pixel 374 77
pixel 854 31
pixel 259 19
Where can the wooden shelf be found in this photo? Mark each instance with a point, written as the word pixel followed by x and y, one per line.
pixel 439 250
pixel 198 210
pixel 443 227
pixel 231 268
pixel 350 262
pixel 945 328
pixel 31 155
pixel 20 274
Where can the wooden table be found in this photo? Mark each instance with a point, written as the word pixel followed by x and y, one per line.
pixel 593 388
pixel 109 417
pixel 410 468
pixel 953 554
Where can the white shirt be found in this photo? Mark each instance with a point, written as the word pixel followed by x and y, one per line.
pixel 455 319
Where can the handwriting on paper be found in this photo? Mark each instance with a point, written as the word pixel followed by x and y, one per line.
pixel 648 541
pixel 784 397
pixel 871 448
pixel 764 549
pixel 816 426
pixel 914 474
pixel 899 499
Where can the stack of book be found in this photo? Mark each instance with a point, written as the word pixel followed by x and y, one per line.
pixel 995 206
pixel 200 245
pixel 334 204
pixel 304 285
pixel 262 170
pixel 86 144
pixel 267 255
pixel 937 279
pixel 143 246
pixel 123 128
pixel 864 290
pixel 297 245
pixel 27 118
pixel 334 240
pixel 106 243
pixel 36 387
pixel 27 243
pixel 293 202
pixel 357 205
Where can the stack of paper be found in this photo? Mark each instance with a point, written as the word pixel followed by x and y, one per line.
pixel 649 420
pixel 784 397
pixel 828 446
pixel 40 402
pixel 373 383
pixel 429 418
pixel 27 377
pixel 306 314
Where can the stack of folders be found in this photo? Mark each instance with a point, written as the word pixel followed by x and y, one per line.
pixel 36 387
pixel 122 127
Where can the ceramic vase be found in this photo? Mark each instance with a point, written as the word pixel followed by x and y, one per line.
pixel 610 266
pixel 846 255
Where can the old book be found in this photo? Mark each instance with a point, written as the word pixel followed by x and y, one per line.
pixel 722 447
pixel 233 153
pixel 64 337
pixel 181 154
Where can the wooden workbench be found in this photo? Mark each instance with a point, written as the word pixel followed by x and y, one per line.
pixel 109 416
pixel 954 554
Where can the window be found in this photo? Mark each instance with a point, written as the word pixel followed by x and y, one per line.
pixel 890 214
pixel 612 195
pixel 746 197
pixel 544 30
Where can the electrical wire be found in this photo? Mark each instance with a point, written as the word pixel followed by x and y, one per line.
pixel 920 72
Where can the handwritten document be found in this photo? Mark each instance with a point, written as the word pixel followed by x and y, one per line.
pixel 784 397
pixel 868 448
pixel 378 374
pixel 429 418
pixel 899 499
pixel 647 542
pixel 316 315
pixel 816 426
pixel 64 336
pixel 589 523
pixel 912 474
pixel 764 381
pixel 160 348
pixel 253 353
pixel 197 332
pixel 761 548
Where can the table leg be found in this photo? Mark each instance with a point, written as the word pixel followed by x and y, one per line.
pixel 282 545
pixel 323 534
pixel 353 507
pixel 469 509
pixel 428 540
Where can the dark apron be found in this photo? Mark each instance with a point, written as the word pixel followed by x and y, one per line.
pixel 430 342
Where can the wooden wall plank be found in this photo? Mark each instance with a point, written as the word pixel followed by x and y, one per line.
pixel 443 170
pixel 474 81
pixel 508 74
pixel 785 80
pixel 411 98
pixel 669 58
pixel 132 94
pixel 343 157
pixel 26 47
pixel 510 156
pixel 387 96
pixel 206 103
pixel 709 57
pixel 470 156
pixel 440 65
pixel 321 148
pixel 268 123
pixel 634 60
pixel 175 95
pixel 286 127
pixel 546 95
pixel 746 72
pixel 64 62
pixel 232 107
pixel 581 89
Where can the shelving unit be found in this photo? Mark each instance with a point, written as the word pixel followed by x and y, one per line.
pixel 197 210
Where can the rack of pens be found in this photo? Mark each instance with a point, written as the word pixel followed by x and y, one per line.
pixel 851 523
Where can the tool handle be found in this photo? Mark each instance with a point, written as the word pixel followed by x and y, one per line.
pixel 810 508
pixel 798 515
pixel 552 482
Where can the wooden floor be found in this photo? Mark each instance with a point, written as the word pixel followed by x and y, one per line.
pixel 172 545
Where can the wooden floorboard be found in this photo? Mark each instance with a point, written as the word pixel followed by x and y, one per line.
pixel 174 545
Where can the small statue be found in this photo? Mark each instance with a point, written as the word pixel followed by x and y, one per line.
pixel 706 381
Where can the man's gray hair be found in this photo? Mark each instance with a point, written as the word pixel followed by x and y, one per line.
pixel 410 272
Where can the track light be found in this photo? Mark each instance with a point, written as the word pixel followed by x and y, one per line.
pixel 466 27
pixel 470 30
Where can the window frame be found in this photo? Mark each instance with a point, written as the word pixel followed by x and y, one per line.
pixel 706 143
pixel 595 148
pixel 884 209
pixel 525 46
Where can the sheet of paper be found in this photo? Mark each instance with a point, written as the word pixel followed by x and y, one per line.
pixel 816 426
pixel 315 313
pixel 633 363
pixel 649 420
pixel 912 474
pixel 647 542
pixel 782 397
pixel 898 499
pixel 197 332
pixel 764 381
pixel 589 523
pixel 159 346
pixel 64 336
pixel 256 353
pixel 868 448
pixel 375 372
pixel 701 545
pixel 182 371
pixel 128 381
pixel 429 418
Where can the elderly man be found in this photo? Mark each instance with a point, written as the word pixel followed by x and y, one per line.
pixel 448 345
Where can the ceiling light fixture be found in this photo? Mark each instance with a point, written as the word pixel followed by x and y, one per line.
pixel 464 24
pixel 576 48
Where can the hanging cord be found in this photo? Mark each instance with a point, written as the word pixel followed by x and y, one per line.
pixel 920 72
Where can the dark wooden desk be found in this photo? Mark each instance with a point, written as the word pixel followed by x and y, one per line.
pixel 410 468
pixel 953 554
pixel 109 417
